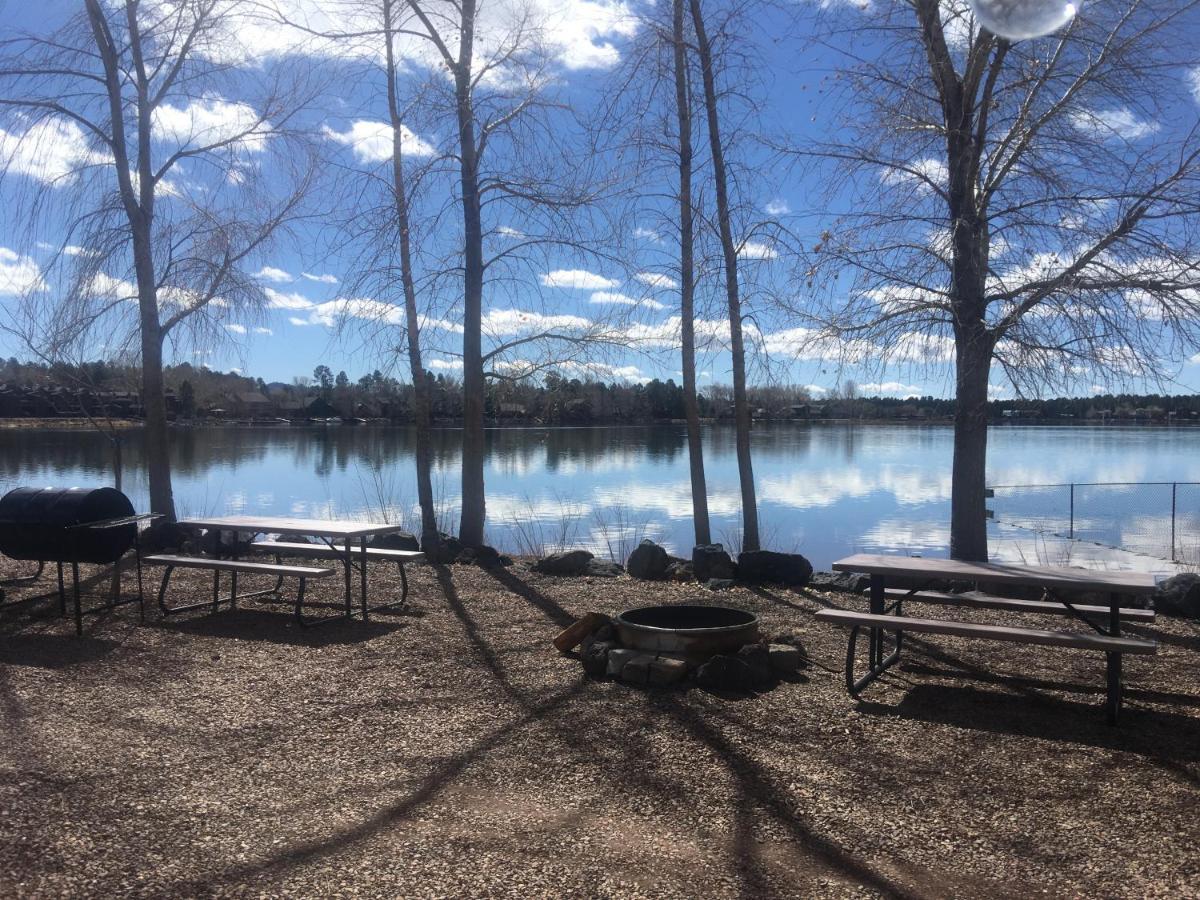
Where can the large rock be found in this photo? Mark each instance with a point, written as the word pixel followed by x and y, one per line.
pixel 680 570
pixel 724 673
pixel 603 568
pixel 785 659
pixel 665 671
pixel 595 657
pixel 446 550
pixel 769 567
pixel 850 582
pixel 758 661
pixel 617 659
pixel 637 669
pixel 1179 596
pixel 569 562
pixel 396 540
pixel 648 561
pixel 711 561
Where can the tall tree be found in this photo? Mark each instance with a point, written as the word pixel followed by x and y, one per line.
pixel 687 275
pixel 110 108
pixel 1031 205
pixel 511 160
pixel 729 250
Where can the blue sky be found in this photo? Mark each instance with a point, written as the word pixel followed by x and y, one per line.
pixel 313 275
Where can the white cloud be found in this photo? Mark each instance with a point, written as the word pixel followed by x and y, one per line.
pixel 603 370
pixel 647 234
pixel 445 365
pixel 18 274
pixel 501 322
pixel 890 388
pixel 261 330
pixel 69 249
pixel 1119 122
pixel 777 207
pixel 212 120
pixel 236 328
pixel 52 151
pixel 579 279
pixel 322 279
pixel 279 300
pixel 1193 82
pixel 297 321
pixel 1196 359
pixel 657 280
pixel 371 141
pixel 666 333
pixel 921 172
pixel 815 389
pixel 510 232
pixel 579 34
pixel 757 250
pixel 607 297
pixel 270 273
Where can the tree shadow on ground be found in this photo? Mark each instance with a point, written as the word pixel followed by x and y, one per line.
pixel 755 786
pixel 52 651
pixel 278 628
pixel 1148 732
pixel 1044 684
pixel 528 592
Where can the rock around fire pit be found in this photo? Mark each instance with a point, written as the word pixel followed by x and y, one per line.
pixel 717 646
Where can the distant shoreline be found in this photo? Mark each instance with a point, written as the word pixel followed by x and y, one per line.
pixel 79 424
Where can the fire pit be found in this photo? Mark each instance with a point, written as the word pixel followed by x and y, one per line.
pixel 716 646
pixel 696 632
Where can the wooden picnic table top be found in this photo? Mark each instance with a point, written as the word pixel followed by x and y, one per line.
pixel 999 573
pixel 332 528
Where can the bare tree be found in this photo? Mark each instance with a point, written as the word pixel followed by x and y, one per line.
pixel 511 162
pixel 132 86
pixel 1028 204
pixel 729 249
pixel 687 274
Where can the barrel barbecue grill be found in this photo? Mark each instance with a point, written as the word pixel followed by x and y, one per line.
pixel 69 526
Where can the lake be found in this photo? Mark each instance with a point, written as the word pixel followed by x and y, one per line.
pixel 825 490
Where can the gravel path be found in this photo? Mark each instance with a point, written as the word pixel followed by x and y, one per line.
pixel 449 751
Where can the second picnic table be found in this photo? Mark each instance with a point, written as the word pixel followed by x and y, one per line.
pixel 1055 583
pixel 351 535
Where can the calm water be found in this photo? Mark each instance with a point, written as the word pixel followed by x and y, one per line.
pixel 825 490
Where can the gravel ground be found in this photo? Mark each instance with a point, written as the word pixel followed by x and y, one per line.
pixel 449 751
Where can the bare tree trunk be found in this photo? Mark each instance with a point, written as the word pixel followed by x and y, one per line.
pixel 968 525
pixel 687 281
pixel 424 419
pixel 473 504
pixel 138 202
pixel 741 404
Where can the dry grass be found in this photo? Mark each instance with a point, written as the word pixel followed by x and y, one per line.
pixel 449 752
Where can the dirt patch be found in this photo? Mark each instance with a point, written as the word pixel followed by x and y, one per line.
pixel 447 750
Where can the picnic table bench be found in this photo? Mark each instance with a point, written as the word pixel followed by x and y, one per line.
pixel 328 551
pixel 1053 582
pixel 234 567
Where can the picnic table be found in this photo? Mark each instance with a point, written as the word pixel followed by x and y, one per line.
pixel 341 540
pixel 1056 586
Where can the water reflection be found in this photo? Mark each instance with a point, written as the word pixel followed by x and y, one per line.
pixel 826 490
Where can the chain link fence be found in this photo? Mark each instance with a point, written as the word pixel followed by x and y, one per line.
pixel 1155 518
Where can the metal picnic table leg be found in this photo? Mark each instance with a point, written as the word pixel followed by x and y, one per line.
pixel 348 562
pixel 876 601
pixel 75 588
pixel 1113 663
pixel 362 542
